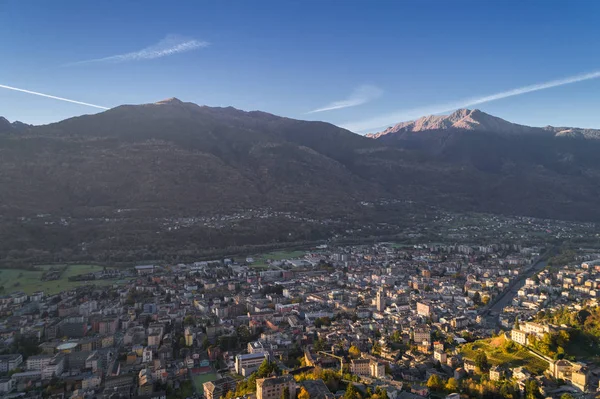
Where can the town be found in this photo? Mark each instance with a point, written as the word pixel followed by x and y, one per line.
pixel 508 318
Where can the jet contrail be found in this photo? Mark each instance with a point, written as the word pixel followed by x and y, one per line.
pixel 54 97
pixel 170 45
pixel 361 95
pixel 394 118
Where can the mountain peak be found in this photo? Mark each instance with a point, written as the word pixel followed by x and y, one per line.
pixel 4 124
pixel 172 100
pixel 462 113
pixel 465 113
pixel 461 119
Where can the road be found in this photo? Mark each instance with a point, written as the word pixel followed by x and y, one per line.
pixel 507 295
pixel 505 298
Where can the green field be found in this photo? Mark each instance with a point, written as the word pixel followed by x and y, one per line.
pixel 260 261
pixel 30 281
pixel 201 379
pixel 493 348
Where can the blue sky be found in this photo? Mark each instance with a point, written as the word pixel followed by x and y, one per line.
pixel 293 57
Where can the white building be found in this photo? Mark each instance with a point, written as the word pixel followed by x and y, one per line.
pixel 535 328
pixel 248 363
pixel 377 369
pixel 54 368
pixel 38 362
pixel 440 356
pixel 6 385
pixel 10 362
pixel 519 336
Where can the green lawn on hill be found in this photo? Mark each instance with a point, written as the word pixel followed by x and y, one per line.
pixel 494 349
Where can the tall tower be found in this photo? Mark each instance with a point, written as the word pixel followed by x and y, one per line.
pixel 380 303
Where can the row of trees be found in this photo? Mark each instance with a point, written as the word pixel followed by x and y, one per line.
pixel 583 332
pixel 484 388
pixel 331 378
pixel 353 393
pixel 551 344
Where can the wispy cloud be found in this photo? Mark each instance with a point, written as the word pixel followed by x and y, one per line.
pixel 170 45
pixel 53 97
pixel 408 114
pixel 361 95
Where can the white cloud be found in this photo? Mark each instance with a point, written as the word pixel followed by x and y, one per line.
pixel 53 97
pixel 408 114
pixel 361 95
pixel 170 45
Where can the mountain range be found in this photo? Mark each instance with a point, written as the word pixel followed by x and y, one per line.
pixel 174 159
pixel 476 120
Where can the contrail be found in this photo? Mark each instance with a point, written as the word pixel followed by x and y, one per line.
pixel 170 45
pixel 394 118
pixel 54 97
pixel 360 95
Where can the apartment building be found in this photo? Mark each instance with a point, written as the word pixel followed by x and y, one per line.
pixel 10 362
pixel 248 363
pixel 360 367
pixel 216 389
pixel 273 388
pixel 519 336
pixel 377 369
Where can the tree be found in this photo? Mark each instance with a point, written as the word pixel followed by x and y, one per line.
pixel 244 333
pixel 354 352
pixel 382 393
pixel 509 346
pixel 266 369
pixel 582 316
pixel 396 336
pixel 322 321
pixel 566 396
pixel 376 349
pixel 388 369
pixel 563 338
pixel 319 345
pixel 481 361
pixel 485 300
pixel 351 392
pixel 435 383
pixel 452 385
pixel 532 390
pixel 476 298
pixel 303 394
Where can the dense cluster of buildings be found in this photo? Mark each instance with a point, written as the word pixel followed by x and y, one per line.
pixel 388 315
